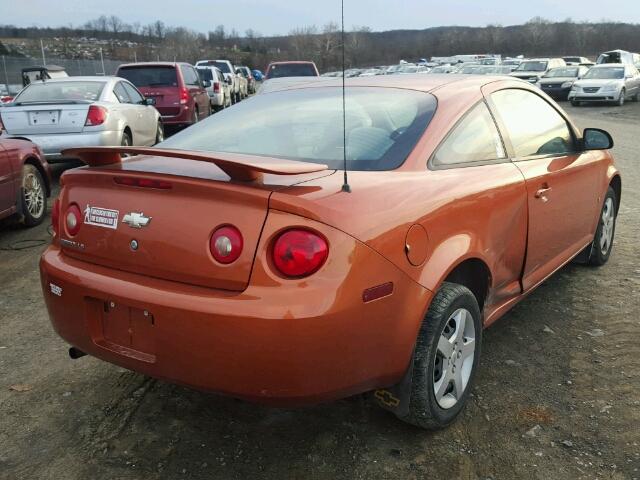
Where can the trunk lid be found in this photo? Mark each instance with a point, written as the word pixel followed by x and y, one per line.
pixel 167 99
pixel 45 118
pixel 173 244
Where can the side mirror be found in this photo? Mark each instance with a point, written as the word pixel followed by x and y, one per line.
pixel 229 80
pixel 206 83
pixel 149 101
pixel 596 139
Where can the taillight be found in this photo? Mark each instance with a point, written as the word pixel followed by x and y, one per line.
pixel 216 87
pixel 299 253
pixel 95 116
pixel 73 219
pixel 226 244
pixel 184 96
pixel 142 182
pixel 55 217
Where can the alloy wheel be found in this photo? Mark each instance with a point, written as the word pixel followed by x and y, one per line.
pixel 608 221
pixel 454 359
pixel 34 197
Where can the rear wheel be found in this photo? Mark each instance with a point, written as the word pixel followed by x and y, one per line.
pixel 33 196
pixel 126 139
pixel 445 358
pixel 575 103
pixel 195 117
pixel 621 100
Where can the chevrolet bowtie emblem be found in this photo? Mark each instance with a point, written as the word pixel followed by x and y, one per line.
pixel 136 220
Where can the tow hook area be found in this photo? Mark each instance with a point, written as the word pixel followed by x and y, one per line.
pixel 76 353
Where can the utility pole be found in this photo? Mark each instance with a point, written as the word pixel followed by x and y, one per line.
pixel 135 56
pixel 6 76
pixel 102 61
pixel 44 61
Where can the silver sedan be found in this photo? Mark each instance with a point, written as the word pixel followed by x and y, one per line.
pixel 82 112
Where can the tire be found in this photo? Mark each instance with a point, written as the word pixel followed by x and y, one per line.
pixel 621 100
pixel 126 139
pixel 196 116
pixel 603 240
pixel 159 133
pixel 33 196
pixel 636 97
pixel 453 306
pixel 575 103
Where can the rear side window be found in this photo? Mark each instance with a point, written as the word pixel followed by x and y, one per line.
pixel 159 76
pixel 534 126
pixel 61 91
pixel 121 93
pixel 292 70
pixel 474 139
pixel 134 95
pixel 190 76
pixel 383 126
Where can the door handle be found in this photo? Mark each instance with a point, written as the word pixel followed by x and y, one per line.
pixel 542 192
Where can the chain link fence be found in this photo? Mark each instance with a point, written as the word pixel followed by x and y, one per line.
pixel 11 68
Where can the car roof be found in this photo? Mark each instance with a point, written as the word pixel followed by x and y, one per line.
pixel 293 61
pixel 424 83
pixel 93 78
pixel 152 64
pixel 609 65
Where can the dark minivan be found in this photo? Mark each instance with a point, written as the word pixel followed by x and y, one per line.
pixel 179 94
pixel 292 69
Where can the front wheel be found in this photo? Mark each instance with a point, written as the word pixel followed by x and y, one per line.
pixel 603 239
pixel 159 133
pixel 33 196
pixel 575 103
pixel 445 359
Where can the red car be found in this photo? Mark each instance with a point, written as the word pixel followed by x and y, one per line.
pixel 180 96
pixel 25 181
pixel 291 69
pixel 236 258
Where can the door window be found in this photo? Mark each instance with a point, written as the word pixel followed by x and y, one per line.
pixel 474 139
pixel 121 93
pixel 134 95
pixel 534 126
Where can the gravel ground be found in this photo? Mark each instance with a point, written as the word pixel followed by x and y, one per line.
pixel 557 395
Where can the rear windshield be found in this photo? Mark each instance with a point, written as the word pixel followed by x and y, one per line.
pixel 206 74
pixel 223 66
pixel 292 70
pixel 60 91
pixel 605 73
pixel 383 126
pixel 150 76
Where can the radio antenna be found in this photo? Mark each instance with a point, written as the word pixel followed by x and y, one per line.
pixel 345 185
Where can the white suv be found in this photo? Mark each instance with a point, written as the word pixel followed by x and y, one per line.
pixel 533 69
pixel 229 72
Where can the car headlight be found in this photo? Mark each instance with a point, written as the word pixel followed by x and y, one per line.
pixel 610 88
pixel 566 85
pixel 533 79
pixel 575 88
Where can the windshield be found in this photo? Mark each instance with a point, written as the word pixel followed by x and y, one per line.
pixel 562 72
pixel 383 126
pixel 605 73
pixel 292 70
pixel 150 76
pixel 532 66
pixel 61 91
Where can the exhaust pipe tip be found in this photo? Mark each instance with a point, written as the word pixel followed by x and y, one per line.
pixel 76 353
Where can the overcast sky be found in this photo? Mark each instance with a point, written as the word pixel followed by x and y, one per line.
pixel 270 17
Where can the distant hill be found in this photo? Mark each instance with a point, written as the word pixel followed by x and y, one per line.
pixel 121 41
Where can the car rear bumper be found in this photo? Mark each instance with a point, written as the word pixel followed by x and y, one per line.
pixel 184 116
pixel 264 344
pixel 53 144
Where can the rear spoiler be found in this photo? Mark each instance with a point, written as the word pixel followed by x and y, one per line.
pixel 238 166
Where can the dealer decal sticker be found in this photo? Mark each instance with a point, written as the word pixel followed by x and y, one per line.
pixel 55 289
pixel 101 217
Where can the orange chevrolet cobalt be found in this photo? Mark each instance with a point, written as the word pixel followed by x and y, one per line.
pixel 237 257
